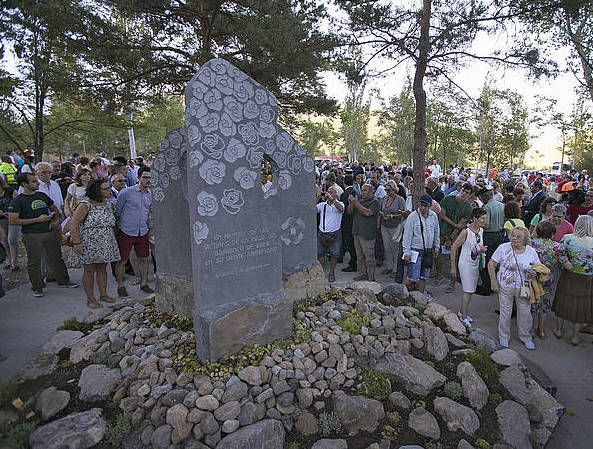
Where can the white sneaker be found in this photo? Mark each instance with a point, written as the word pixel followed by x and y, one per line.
pixel 504 342
pixel 467 323
pixel 529 345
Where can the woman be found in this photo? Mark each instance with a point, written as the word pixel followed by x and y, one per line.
pixel 582 204
pixel 472 255
pixel 408 185
pixel 12 233
pixel 512 218
pixel 574 296
pixel 549 255
pixel 562 225
pixel 392 211
pixel 514 260
pixel 77 190
pixel 545 213
pixel 94 239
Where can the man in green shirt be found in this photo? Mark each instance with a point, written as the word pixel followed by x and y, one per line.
pixel 455 213
pixel 364 230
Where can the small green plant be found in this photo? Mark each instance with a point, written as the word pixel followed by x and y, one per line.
pixel 419 404
pixel 481 361
pixel 293 445
pixel 71 324
pixel 301 305
pixel 495 398
pixel 118 429
pixel 99 358
pixel 420 307
pixel 482 444
pixel 352 322
pixel 394 418
pixel 329 423
pixel 430 363
pixel 17 436
pixel 8 391
pixel 388 433
pixel 453 390
pixel 302 332
pixel 375 384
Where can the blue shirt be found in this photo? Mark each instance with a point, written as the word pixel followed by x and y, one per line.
pixel 132 209
pixel 131 178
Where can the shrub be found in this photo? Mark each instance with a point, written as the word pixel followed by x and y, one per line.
pixel 118 429
pixel 482 444
pixel 8 391
pixel 301 305
pixel 420 307
pixel 394 418
pixel 329 423
pixel 495 398
pixel 72 324
pixel 453 390
pixel 375 384
pixel 388 433
pixel 17 436
pixel 302 332
pixel 419 404
pixel 293 445
pixel 352 322
pixel 481 361
pixel 99 358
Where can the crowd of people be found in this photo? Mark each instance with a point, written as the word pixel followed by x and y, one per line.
pixel 526 236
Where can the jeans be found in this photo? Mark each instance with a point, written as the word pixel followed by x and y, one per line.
pixel 36 244
pixel 506 297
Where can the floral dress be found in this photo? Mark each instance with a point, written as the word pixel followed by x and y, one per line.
pixel 549 253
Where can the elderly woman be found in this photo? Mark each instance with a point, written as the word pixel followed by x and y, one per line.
pixel 574 295
pixel 391 215
pixel 514 261
pixel 549 255
pixel 545 213
pixel 562 225
pixel 77 190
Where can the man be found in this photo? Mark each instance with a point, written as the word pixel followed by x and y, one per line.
pixel 330 181
pixel 364 230
pixel 329 237
pixel 493 233
pixel 455 213
pixel 534 204
pixel 132 209
pixel 118 183
pixel 421 236
pixel 435 169
pixel 433 188
pixel 38 216
pixel 380 192
pixel 450 186
pixel 347 238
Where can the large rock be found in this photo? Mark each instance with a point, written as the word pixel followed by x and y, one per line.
pixel 505 357
pixel 527 392
pixel 43 365
pixel 85 347
pixel 457 416
pixel 330 444
pixel 436 342
pixel 51 401
pixel 513 421
pixel 397 291
pixel 62 339
pixel 483 339
pixel 414 374
pixel 453 323
pixel 266 434
pixel 306 423
pixel 424 423
pixel 375 287
pixel 435 311
pixel 97 382
pixel 474 388
pixel 76 431
pixel 358 413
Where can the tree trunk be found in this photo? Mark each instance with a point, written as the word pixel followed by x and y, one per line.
pixel 419 151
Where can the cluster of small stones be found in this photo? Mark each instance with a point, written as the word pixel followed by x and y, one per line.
pixel 254 407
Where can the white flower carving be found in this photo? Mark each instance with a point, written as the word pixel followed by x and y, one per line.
pixel 234 150
pixel 233 108
pixel 197 108
pixel 207 204
pixel 308 164
pixel 165 180
pixel 212 146
pixel 261 96
pixel 232 201
pixel 174 173
pixel 198 89
pixel 267 130
pixel 206 76
pixel 195 158
pixel 209 122
pixel 201 232
pixel 251 110
pixel 267 114
pixel 194 134
pixel 225 83
pixel 292 231
pixel 284 180
pixel 255 156
pixel 294 163
pixel 158 194
pixel 219 66
pixel 159 162
pixel 284 141
pixel 248 133
pixel 213 100
pixel 236 73
pixel 212 171
pixel 176 139
pixel 245 177
pixel 280 158
pixel 243 91
pixel 227 126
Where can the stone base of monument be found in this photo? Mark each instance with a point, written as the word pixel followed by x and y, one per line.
pixel 174 295
pixel 229 328
pixel 308 283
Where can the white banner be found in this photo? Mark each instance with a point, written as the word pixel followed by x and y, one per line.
pixel 132 143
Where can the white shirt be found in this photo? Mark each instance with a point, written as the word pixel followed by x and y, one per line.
pixel 380 193
pixel 511 271
pixel 435 170
pixel 333 217
pixel 52 190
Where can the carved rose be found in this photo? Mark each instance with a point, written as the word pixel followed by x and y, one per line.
pixel 243 91
pixel 212 146
pixel 219 66
pixel 280 158
pixel 154 179
pixel 245 177
pixel 267 114
pixel 292 231
pixel 207 76
pixel 251 110
pixel 227 126
pixel 272 100
pixel 199 90
pixel 267 130
pixel 158 194
pixel 195 158
pixel 201 232
pixel 164 180
pixel 294 163
pixel 225 84
pixel 255 156
pixel 207 204
pixel 159 163
pixel 284 142
pixel 308 164
pixel 212 171
pixel 174 173
pixel 176 139
pixel 261 96
pixel 233 108
pixel 194 134
pixel 284 180
pixel 210 122
pixel 213 100
pixel 232 201
pixel 236 74
pixel 234 150
pixel 248 133
pixel 171 156
pixel 197 108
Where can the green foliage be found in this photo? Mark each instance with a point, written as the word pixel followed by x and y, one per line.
pixel 375 384
pixel 394 418
pixel 495 398
pixel 329 424
pixel 453 390
pixel 419 404
pixel 17 435
pixel 293 445
pixel 301 332
pixel 100 357
pixel 420 307
pixel 482 444
pixel 155 319
pixel 352 322
pixel 8 392
pixel 481 361
pixel 301 305
pixel 430 363
pixel 72 324
pixel 388 433
pixel 118 429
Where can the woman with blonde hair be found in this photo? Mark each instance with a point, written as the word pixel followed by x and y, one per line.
pixel 574 295
pixel 77 190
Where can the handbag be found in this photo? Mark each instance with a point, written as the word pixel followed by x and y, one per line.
pixel 524 291
pixel 427 256
pixel 327 238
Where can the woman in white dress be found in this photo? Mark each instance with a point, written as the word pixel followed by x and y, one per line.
pixel 472 254
pixel 77 190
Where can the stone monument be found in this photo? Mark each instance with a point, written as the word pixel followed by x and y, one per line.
pixel 230 253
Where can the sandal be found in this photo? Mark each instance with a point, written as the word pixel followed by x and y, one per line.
pixel 93 304
pixel 332 278
pixel 107 298
pixel 557 333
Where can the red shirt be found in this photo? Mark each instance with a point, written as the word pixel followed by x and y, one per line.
pixel 564 228
pixel 575 210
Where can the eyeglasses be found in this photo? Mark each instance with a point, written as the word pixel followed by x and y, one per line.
pixel 119 180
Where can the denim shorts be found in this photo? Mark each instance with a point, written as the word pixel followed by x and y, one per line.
pixel 335 249
pixel 415 271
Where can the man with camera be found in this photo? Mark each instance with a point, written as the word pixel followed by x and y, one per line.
pixel 420 240
pixel 329 237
